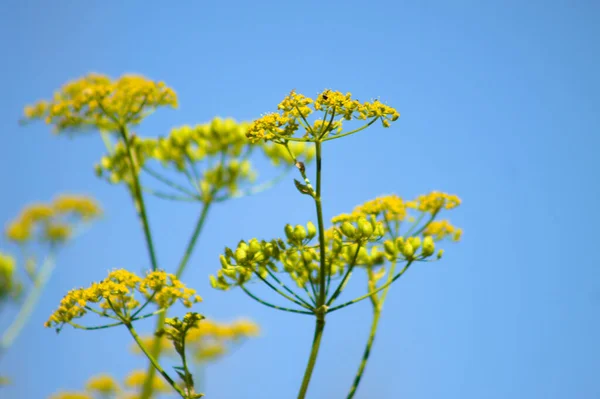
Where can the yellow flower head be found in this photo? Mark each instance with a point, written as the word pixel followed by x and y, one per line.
pixel 136 378
pixel 102 384
pixel 440 229
pixel 72 395
pixel 85 207
pixel 9 286
pixel 117 294
pixel 97 101
pixel 434 201
pixel 295 109
pixel 52 222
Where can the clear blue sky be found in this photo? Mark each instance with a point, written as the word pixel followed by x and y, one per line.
pixel 499 103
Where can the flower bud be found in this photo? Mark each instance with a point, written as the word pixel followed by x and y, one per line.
pixel 428 247
pixel 365 228
pixel 300 232
pixel 440 253
pixel 348 230
pixel 240 255
pixel 407 250
pixel 399 243
pixel 254 246
pixel 223 261
pixel 289 231
pixel 312 230
pixel 390 248
pixel 307 256
pixel 415 242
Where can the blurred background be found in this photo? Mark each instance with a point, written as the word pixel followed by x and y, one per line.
pixel 499 104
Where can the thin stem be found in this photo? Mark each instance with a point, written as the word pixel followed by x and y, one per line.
pixel 312 360
pixel 155 349
pixel 192 243
pixel 255 190
pixel 340 287
pixel 285 287
pixel 251 295
pixel 168 182
pixel 366 353
pixel 154 361
pixel 139 197
pixel 12 332
pixel 351 132
pixel 264 280
pixel 168 196
pixel 322 295
pixel 377 308
pixel 307 127
pixel 396 277
pixel 320 311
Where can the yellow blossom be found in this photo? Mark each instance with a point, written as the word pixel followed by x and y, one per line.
pixel 440 229
pixel 97 101
pixel 102 384
pixel 296 108
pixel 117 292
pixel 136 378
pixel 9 287
pixel 54 221
pixel 72 395
pixel 434 201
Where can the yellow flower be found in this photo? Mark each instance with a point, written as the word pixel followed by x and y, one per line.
pixel 295 109
pixel 54 221
pixel 97 101
pixel 57 232
pixel 434 201
pixel 9 287
pixel 136 378
pixel 82 206
pixel 103 384
pixel 440 229
pixel 117 292
pixel 72 395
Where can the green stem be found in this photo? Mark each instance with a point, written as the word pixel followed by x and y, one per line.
pixel 155 349
pixel 312 360
pixel 340 287
pixel 154 362
pixel 168 182
pixel 322 295
pixel 12 332
pixel 139 198
pixel 351 132
pixel 360 298
pixel 251 295
pixel 366 353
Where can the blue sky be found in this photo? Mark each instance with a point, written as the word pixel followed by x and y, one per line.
pixel 499 104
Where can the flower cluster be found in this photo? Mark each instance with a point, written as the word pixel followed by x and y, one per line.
pixel 9 286
pixel 103 384
pixel 52 222
pixel 440 229
pixel 99 102
pixel 215 156
pixel 136 379
pixel 298 258
pixel 295 109
pixel 117 295
pixel 434 202
pixel 368 237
